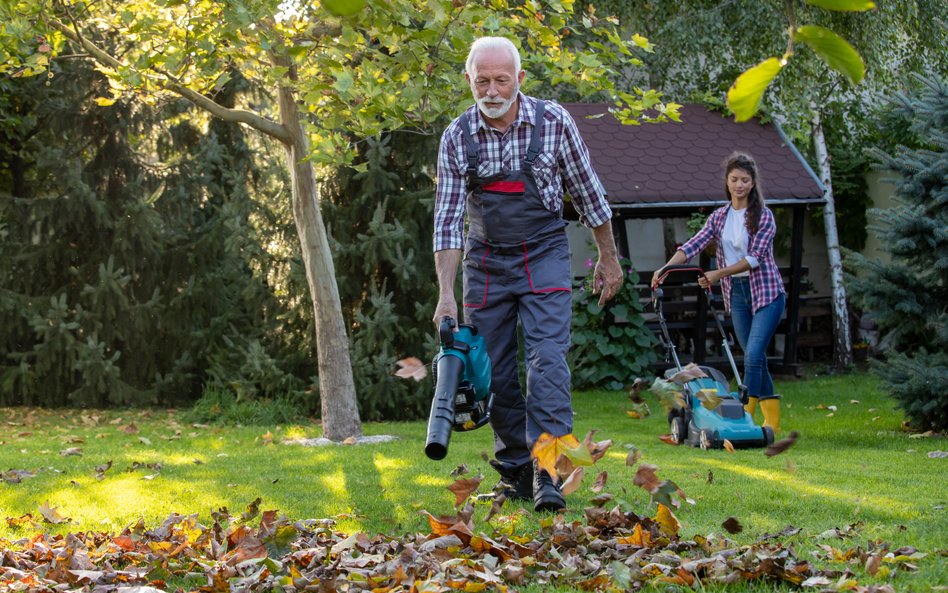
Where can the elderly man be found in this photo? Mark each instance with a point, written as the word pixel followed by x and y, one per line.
pixel 507 161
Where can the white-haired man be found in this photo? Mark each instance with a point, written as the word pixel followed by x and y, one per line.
pixel 506 162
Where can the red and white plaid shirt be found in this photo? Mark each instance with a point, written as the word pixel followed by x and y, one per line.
pixel 563 164
pixel 765 281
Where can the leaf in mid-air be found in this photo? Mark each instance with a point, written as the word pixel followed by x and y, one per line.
pixel 709 398
pixel 463 487
pixel 689 372
pixel 548 449
pixel 744 96
pixel 411 368
pixel 782 445
pixel 668 393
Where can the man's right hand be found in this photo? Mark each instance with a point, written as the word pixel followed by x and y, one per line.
pixel 446 308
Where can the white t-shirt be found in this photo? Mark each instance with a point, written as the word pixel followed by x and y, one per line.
pixel 734 239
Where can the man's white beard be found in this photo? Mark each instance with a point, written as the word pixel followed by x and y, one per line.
pixel 497 112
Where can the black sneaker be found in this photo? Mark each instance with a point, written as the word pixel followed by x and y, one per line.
pixel 547 496
pixel 515 483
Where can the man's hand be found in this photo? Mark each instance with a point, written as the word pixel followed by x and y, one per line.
pixel 447 307
pixel 607 278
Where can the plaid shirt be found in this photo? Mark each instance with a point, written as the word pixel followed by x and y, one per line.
pixel 563 164
pixel 765 281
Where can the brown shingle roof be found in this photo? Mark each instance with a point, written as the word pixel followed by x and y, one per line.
pixel 680 165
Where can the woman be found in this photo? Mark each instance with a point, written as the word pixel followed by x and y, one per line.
pixel 744 230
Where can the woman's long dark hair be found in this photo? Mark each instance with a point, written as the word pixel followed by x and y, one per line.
pixel 755 199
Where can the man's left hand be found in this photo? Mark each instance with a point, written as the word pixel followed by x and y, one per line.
pixel 607 278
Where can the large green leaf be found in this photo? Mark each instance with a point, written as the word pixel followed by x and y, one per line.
pixel 835 51
pixel 844 5
pixel 343 7
pixel 743 98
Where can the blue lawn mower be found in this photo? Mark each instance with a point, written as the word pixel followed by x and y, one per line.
pixel 693 423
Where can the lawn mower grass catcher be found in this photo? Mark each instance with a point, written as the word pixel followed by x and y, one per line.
pixel 694 423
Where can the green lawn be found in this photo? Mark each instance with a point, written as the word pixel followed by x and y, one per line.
pixel 852 466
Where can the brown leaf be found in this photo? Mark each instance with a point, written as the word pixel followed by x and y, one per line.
pixel 635 391
pixel 710 477
pixel 728 446
pixel 495 506
pixel 600 482
pixel 667 438
pixel 689 372
pixel 411 368
pixel 130 428
pixel 646 478
pixel 253 509
pixel 463 488
pixel 633 457
pixel 709 398
pixel 459 471
pixel 732 525
pixel 639 411
pixel 573 481
pixel 51 514
pixel 71 451
pixel 782 445
pixel 596 449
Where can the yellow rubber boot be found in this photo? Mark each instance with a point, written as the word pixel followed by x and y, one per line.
pixel 770 407
pixel 751 405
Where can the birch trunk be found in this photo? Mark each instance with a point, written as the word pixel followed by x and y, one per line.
pixel 842 350
pixel 340 413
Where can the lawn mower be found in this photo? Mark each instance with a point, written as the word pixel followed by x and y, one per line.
pixel 693 423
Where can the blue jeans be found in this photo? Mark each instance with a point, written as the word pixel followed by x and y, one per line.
pixel 754 332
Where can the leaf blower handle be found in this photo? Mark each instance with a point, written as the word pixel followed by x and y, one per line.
pixel 446 332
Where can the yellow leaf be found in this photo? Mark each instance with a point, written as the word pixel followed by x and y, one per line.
pixel 667 521
pixel 104 101
pixel 728 446
pixel 709 398
pixel 548 449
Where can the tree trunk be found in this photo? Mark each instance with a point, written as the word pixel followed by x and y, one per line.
pixel 340 413
pixel 843 349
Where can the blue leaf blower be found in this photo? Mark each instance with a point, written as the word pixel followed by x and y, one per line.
pixel 462 397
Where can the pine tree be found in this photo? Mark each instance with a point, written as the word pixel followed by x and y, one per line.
pixel 907 296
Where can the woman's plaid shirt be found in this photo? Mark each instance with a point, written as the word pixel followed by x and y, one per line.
pixel 563 165
pixel 765 281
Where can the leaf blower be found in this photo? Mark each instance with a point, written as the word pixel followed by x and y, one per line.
pixel 462 397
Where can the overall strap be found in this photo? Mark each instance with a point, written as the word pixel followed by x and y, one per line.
pixel 470 146
pixel 534 150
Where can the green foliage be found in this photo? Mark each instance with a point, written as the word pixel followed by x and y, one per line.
pixel 126 281
pixel 379 217
pixel 223 407
pixel 907 295
pixel 612 345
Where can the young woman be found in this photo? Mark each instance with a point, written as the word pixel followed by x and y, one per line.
pixel 744 230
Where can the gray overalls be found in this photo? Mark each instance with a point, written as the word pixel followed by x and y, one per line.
pixel 516 267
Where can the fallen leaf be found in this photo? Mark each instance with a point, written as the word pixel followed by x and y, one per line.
pixel 266 438
pixel 51 514
pixel 937 454
pixel 411 368
pixel 144 441
pixel 782 445
pixel 732 525
pixel 71 451
pixel 463 487
pixel 350 440
pixel 667 438
pixel 667 521
pixel 710 477
pixel 639 411
pixel 129 429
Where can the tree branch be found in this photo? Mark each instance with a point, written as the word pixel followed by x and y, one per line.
pixel 267 126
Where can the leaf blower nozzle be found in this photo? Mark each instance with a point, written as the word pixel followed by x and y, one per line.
pixel 462 397
pixel 450 372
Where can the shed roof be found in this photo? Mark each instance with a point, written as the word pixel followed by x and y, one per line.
pixel 668 167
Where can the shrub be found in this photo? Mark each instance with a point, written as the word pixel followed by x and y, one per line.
pixel 611 345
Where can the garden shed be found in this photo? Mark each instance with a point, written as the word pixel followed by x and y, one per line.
pixel 671 170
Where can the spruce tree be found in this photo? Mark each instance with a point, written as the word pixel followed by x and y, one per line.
pixel 907 295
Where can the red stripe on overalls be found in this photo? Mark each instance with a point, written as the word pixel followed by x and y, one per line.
pixel 486 282
pixel 526 266
pixel 505 187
